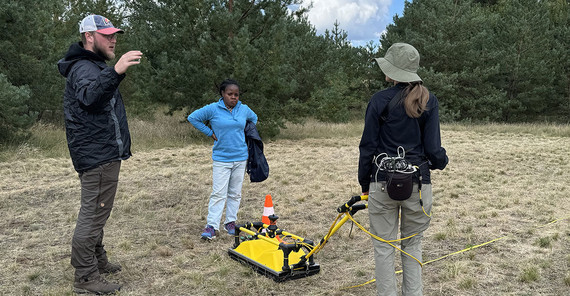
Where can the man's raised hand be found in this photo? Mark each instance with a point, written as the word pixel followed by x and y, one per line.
pixel 130 58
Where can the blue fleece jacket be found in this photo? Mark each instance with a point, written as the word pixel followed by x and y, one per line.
pixel 228 127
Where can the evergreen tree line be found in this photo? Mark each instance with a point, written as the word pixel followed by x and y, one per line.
pixel 499 61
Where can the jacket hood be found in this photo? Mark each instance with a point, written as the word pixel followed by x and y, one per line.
pixel 75 53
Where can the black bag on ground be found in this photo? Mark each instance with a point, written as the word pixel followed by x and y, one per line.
pixel 399 185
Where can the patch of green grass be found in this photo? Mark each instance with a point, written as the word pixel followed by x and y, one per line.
pixel 125 245
pixel 467 283
pixel 224 270
pixel 361 273
pixel 567 280
pixel 544 242
pixel 214 258
pixel 529 274
pixel 452 270
pixel 440 236
pixel 33 276
pixel 545 264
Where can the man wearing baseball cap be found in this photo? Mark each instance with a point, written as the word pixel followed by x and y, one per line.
pixel 98 139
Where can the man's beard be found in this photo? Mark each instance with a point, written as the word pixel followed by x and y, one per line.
pixel 102 53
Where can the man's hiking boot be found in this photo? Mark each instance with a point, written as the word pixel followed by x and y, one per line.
pixel 96 284
pixel 231 228
pixel 209 233
pixel 109 268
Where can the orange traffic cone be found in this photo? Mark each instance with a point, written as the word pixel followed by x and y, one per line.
pixel 267 210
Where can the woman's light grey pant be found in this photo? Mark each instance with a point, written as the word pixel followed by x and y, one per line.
pixel 226 191
pixel 386 215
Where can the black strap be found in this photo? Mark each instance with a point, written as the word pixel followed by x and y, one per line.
pixel 393 102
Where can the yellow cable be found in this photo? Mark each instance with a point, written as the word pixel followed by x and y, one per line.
pixel 385 241
pixel 466 249
pixel 422 204
pixel 454 253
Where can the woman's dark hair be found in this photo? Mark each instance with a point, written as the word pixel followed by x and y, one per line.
pixel 225 84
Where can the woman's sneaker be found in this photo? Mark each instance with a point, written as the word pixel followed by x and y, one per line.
pixel 209 233
pixel 231 228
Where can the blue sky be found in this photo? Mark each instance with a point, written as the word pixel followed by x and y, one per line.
pixel 364 20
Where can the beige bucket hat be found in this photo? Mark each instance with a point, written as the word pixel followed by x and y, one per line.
pixel 401 63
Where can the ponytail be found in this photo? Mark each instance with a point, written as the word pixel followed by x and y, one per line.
pixel 416 100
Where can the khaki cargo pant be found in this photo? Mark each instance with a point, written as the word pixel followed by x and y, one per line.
pixel 98 188
pixel 384 215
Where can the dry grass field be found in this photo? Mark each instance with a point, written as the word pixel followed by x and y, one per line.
pixel 505 182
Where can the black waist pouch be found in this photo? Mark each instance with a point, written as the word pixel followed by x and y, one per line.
pixel 399 185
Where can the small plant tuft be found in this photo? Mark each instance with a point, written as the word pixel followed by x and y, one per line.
pixel 467 283
pixel 544 242
pixel 33 276
pixel 529 274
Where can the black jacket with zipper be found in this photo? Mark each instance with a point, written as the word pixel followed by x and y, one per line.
pixel 95 118
pixel 419 137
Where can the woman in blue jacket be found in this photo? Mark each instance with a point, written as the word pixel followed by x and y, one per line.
pixel 402 123
pixel 227 118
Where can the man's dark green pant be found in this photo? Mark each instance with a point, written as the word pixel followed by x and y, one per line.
pixel 98 188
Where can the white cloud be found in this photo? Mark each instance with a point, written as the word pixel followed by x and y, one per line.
pixel 362 19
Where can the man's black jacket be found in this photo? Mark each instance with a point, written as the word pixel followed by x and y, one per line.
pixel 95 118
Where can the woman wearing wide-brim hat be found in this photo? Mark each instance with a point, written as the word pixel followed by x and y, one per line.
pixel 401 121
